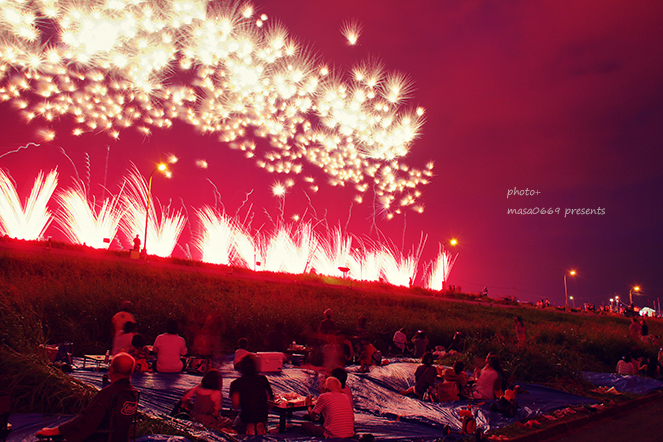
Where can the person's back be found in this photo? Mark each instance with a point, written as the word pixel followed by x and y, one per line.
pixel 97 415
pixel 250 394
pixel 335 408
pixel 276 339
pixel 169 348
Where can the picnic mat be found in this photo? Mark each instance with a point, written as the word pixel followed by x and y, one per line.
pixel 379 409
pixel 624 383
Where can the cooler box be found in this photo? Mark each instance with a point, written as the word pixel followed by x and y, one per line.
pixel 269 362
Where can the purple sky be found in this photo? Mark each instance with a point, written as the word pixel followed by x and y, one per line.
pixel 562 98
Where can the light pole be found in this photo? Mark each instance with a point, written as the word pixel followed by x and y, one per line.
pixel 162 168
pixel 453 242
pixel 630 293
pixel 574 301
pixel 566 292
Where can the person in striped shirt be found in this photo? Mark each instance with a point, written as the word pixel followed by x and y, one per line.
pixel 334 406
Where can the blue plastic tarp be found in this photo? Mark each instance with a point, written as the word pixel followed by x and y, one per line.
pixel 379 408
pixel 624 383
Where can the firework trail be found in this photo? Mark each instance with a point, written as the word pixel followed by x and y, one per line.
pixel 246 199
pixel 30 221
pixel 19 148
pixel 87 170
pixel 106 168
pixel 215 66
pixel 217 196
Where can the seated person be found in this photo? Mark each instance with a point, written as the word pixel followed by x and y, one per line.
pixel 95 416
pixel 140 353
pixel 453 381
pixel 425 376
pixel 456 374
pixel 243 345
pixel 335 408
pixel 625 366
pixel 488 384
pixel 207 400
pixel 340 374
pixel 439 352
pixel 122 340
pixel 276 339
pixel 169 347
pixel 367 356
pixel 250 394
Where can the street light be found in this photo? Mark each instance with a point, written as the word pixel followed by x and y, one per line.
pixel 566 292
pixel 453 242
pixel 630 293
pixel 574 301
pixel 162 168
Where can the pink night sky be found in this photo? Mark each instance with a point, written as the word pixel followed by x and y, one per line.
pixel 564 99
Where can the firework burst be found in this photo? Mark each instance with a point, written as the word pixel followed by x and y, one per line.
pixel 82 222
pixel 27 221
pixel 109 66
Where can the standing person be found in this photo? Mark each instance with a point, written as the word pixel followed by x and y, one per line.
pixel 520 331
pixel 335 408
pixel 250 394
pixel 400 340
pixel 634 329
pixel 207 399
pixel 95 416
pixel 137 243
pixel 420 343
pixel 644 331
pixel 169 347
pixel 327 327
pixel 424 376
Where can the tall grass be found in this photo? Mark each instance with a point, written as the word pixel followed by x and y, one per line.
pixel 54 298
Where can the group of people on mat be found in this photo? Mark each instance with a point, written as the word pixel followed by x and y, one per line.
pixel 329 415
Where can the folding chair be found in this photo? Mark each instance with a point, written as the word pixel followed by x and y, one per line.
pixel 5 426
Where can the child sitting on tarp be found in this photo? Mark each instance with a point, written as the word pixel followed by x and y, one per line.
pixel 506 404
pixel 140 353
pixel 454 382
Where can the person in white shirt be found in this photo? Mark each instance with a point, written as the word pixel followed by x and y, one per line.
pixel 169 347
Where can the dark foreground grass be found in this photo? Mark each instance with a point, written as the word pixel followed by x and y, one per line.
pixel 51 297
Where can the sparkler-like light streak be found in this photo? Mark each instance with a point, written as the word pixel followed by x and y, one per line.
pixel 216 238
pixel 19 148
pixel 30 221
pixel 213 65
pixel 83 222
pixel 332 253
pixel 440 269
pixel 162 233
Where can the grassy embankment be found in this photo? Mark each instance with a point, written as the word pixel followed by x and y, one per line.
pixel 49 298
